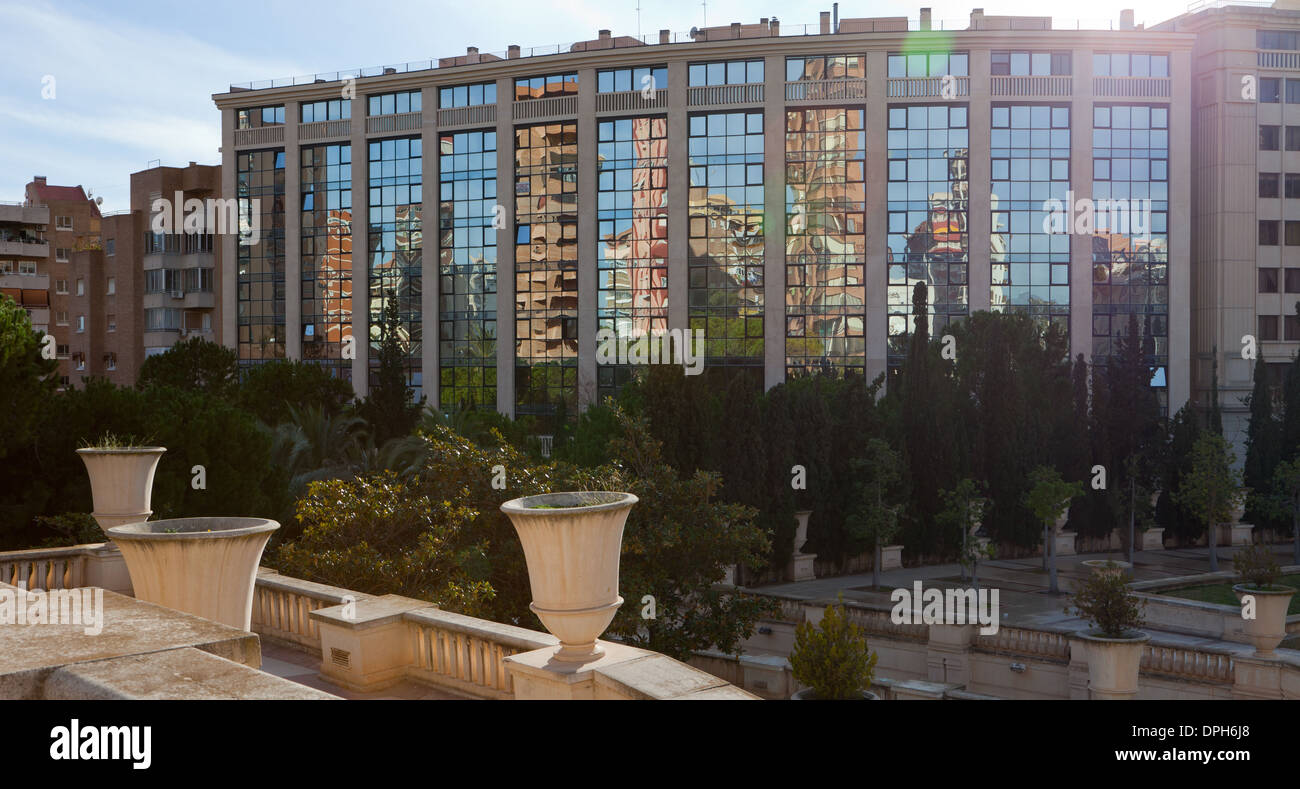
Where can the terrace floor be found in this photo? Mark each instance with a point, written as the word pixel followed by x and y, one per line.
pixel 298 666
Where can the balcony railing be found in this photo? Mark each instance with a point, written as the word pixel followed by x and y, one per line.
pixel 554 107
pixel 1278 59
pixel 263 135
pixel 324 130
pixel 927 88
pixel 713 95
pixel 400 122
pixel 826 90
pixel 477 115
pixel 1016 86
pixel 1133 87
pixel 631 101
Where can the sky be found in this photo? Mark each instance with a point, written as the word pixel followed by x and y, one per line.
pixel 91 92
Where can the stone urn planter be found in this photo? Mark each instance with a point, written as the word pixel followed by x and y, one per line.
pixel 1268 628
pixel 1108 566
pixel 121 482
pixel 1112 663
pixel 801 529
pixel 807 695
pixel 203 566
pixel 572 543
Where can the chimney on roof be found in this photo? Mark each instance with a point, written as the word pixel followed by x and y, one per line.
pixel 604 36
pixel 825 20
pixel 512 51
pixel 665 36
pixel 925 19
pixel 40 179
pixel 776 26
pixel 735 30
pixel 835 17
pixel 1126 19
pixel 976 18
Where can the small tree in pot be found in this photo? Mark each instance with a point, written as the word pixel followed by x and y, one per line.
pixel 832 658
pixel 1114 647
pixel 1264 602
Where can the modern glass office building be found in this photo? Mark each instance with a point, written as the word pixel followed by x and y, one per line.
pixel 782 192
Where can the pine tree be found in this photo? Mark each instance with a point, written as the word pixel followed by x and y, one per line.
pixel 389 409
pixel 1263 450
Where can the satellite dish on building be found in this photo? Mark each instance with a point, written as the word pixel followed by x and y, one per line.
pixel 99 201
pixel 694 30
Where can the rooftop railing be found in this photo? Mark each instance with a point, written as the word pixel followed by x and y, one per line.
pixel 625 42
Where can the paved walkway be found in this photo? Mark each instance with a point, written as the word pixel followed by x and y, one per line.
pixel 1023 598
pixel 300 667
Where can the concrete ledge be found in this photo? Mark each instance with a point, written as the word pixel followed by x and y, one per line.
pixel 622 672
pixel 185 673
pixel 32 652
pixel 366 646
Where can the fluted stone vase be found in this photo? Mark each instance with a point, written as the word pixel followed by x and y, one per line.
pixel 121 483
pixel 1113 663
pixel 572 543
pixel 203 566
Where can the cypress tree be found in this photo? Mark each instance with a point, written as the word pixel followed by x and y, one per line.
pixel 1263 450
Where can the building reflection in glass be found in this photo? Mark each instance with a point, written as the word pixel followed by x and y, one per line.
pixel 1030 166
pixel 467 310
pixel 546 268
pixel 928 205
pixel 632 235
pixel 326 254
pixel 260 297
pixel 1130 149
pixel 395 244
pixel 725 237
pixel 825 299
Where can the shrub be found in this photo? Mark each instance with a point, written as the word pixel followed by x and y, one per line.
pixel 1257 567
pixel 1103 599
pixel 832 658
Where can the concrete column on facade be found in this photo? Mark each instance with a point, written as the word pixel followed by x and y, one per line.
pixel 1178 373
pixel 430 256
pixel 1081 186
pixel 587 279
pixel 506 249
pixel 228 331
pixel 679 184
pixel 876 273
pixel 360 247
pixel 773 221
pixel 947 656
pixel 979 222
pixel 292 233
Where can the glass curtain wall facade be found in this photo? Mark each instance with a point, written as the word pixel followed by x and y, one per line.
pixel 1130 249
pixel 725 286
pixel 467 310
pixel 261 291
pixel 1030 166
pixel 825 301
pixel 326 253
pixel 928 202
pixel 546 268
pixel 631 236
pixel 395 244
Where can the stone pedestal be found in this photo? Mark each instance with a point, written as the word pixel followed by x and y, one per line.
pixel 800 567
pixel 366 645
pixel 107 569
pixel 947 658
pixel 891 557
pixel 1235 534
pixel 1065 543
pixel 1153 539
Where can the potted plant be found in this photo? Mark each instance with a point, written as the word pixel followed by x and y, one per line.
pixel 571 543
pixel 1264 601
pixel 121 479
pixel 203 566
pixel 1113 648
pixel 832 659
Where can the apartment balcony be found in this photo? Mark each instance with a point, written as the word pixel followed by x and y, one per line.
pixel 24 249
pixel 176 259
pixel 25 282
pixel 161 338
pixel 180 299
pixel 23 214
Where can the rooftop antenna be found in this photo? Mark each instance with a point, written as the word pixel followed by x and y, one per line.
pixel 705 3
pixel 638 18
